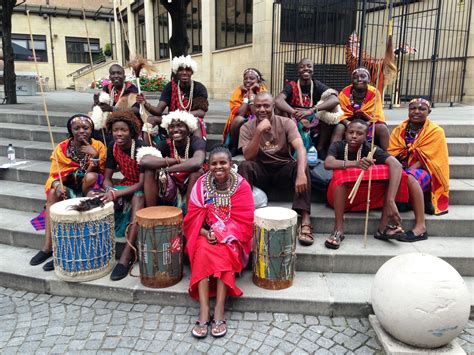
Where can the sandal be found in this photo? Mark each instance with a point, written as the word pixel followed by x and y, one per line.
pixel 411 237
pixel 385 235
pixel 305 238
pixel 334 241
pixel 216 325
pixel 200 330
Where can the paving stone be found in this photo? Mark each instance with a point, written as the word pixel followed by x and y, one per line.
pixel 364 350
pixel 281 317
pixel 296 318
pixel 110 343
pixel 338 349
pixel 324 342
pixel 250 316
pixel 296 328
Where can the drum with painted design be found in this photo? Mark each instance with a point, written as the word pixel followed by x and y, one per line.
pixel 274 245
pixel 160 246
pixel 83 242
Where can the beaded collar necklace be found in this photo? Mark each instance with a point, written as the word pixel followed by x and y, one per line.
pixel 354 104
pixel 190 101
pixel 346 152
pixel 76 155
pixel 412 131
pixel 221 199
pixel 300 92
pixel 186 150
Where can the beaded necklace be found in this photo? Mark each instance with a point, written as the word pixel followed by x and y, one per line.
pixel 186 150
pixel 112 95
pixel 77 156
pixel 132 150
pixel 412 131
pixel 221 199
pixel 354 104
pixel 190 101
pixel 346 152
pixel 300 92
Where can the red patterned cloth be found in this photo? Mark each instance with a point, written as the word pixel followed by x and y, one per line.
pixel 127 166
pixel 380 177
pixel 295 98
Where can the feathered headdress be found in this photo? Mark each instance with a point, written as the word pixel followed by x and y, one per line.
pixel 182 116
pixel 183 62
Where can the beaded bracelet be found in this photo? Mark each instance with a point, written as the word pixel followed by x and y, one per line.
pixel 113 194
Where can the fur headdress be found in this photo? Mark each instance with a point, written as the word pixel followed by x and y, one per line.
pixel 182 116
pixel 183 62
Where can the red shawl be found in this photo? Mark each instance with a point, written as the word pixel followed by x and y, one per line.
pixel 238 232
pixel 127 166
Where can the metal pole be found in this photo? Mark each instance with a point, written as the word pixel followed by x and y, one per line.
pixel 434 57
pixel 272 69
pixel 362 32
pixel 465 51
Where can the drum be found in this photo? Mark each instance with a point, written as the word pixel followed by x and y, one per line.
pixel 274 245
pixel 83 242
pixel 160 246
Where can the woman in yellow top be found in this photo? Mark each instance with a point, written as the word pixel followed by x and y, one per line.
pixel 80 163
pixel 361 100
pixel 420 145
pixel 241 103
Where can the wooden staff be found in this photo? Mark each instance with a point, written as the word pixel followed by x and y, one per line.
pixel 45 106
pixel 90 58
pixel 372 145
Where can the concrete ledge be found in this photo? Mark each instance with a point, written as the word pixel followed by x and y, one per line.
pixel 392 346
pixel 312 292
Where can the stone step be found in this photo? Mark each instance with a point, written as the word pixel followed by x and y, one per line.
pixel 332 294
pixel 215 121
pixel 32 132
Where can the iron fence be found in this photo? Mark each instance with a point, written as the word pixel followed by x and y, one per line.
pixel 430 38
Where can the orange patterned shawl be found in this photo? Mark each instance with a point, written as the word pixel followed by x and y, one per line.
pixel 368 105
pixel 431 150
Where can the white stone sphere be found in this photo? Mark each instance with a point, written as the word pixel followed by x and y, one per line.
pixel 420 300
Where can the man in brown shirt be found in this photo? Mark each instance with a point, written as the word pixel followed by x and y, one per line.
pixel 268 143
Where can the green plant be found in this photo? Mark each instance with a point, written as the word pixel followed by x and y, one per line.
pixel 108 49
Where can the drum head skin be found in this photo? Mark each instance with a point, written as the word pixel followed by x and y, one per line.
pixel 159 215
pixel 62 212
pixel 275 218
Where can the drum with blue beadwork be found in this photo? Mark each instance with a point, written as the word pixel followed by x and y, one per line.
pixel 83 242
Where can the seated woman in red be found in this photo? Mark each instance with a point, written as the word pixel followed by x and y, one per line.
pixel 389 185
pixel 218 229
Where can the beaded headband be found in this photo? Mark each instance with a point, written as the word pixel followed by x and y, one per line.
pixel 421 101
pixel 361 69
pixel 82 118
pixel 250 70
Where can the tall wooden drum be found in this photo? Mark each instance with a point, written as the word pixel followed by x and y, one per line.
pixel 274 245
pixel 83 242
pixel 160 246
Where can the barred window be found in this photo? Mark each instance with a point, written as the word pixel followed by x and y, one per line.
pixel 317 21
pixel 233 23
pixel 160 26
pixel 77 50
pixel 23 47
pixel 140 32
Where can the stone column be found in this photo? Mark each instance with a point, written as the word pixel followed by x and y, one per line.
pixel 149 32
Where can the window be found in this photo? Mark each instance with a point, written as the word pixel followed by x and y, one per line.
pixel 194 26
pixel 77 50
pixel 140 32
pixel 317 21
pixel 160 26
pixel 233 23
pixel 23 48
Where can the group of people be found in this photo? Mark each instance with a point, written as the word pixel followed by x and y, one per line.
pixel 162 158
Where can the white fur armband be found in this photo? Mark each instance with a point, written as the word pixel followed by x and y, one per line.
pixel 141 152
pixel 329 117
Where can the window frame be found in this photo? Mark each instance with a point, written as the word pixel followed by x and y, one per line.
pixel 72 56
pixel 42 54
pixel 247 7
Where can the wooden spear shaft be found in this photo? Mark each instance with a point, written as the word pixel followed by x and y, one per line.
pixel 45 106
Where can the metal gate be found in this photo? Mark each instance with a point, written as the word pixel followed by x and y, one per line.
pixel 430 38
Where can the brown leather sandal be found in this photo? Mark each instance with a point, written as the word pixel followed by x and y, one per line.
pixel 305 238
pixel 334 241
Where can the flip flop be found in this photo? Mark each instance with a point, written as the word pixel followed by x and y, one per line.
pixel 215 326
pixel 198 327
pixel 385 236
pixel 411 237
pixel 334 240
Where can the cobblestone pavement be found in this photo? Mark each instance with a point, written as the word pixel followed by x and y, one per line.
pixel 39 323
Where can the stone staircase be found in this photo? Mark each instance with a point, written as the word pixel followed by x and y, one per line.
pixel 327 282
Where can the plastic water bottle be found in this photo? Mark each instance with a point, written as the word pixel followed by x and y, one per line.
pixel 312 156
pixel 11 154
